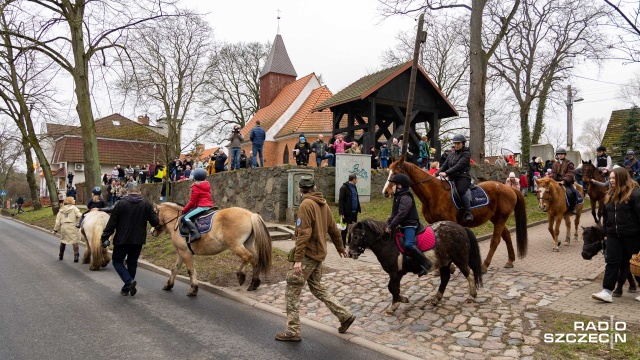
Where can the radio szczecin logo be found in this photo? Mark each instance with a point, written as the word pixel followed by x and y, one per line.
pixel 600 332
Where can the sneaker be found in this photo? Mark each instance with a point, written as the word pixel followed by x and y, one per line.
pixel 637 298
pixel 603 295
pixel 132 288
pixel 286 336
pixel 344 326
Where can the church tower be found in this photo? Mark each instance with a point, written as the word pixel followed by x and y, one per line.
pixel 277 73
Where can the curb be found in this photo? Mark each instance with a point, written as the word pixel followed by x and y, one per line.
pixel 234 295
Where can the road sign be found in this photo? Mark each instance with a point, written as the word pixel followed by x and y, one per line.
pixel 3 192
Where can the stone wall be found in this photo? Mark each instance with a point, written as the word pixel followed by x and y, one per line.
pixel 264 190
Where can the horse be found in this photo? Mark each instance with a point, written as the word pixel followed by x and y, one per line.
pixel 455 244
pixel 551 199
pixel 243 232
pixel 435 196
pixel 594 241
pixel 92 226
pixel 596 193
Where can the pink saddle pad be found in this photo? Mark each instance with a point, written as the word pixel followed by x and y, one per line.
pixel 426 240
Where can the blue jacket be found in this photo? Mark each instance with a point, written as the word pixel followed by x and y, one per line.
pixel 634 167
pixel 257 135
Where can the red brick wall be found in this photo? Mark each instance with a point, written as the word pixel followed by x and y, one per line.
pixel 274 151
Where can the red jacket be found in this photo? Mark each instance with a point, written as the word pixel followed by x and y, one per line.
pixel 200 196
pixel 524 182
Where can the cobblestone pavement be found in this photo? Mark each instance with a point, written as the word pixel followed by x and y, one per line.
pixel 502 323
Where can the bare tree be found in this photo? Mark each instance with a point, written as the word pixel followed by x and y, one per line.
pixel 630 92
pixel 73 34
pixel 10 153
pixel 233 89
pixel 624 16
pixel 544 41
pixel 479 54
pixel 166 68
pixel 557 137
pixel 591 136
pixel 25 86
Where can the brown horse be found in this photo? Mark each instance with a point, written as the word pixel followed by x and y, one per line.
pixel 596 193
pixel 435 196
pixel 237 229
pixel 551 199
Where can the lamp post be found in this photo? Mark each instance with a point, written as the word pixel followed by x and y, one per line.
pixel 154 153
pixel 569 102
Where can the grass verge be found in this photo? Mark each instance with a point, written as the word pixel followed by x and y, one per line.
pixel 554 322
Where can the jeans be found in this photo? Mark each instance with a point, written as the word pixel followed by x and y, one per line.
pixel 383 163
pixel 132 253
pixel 255 148
pixel 409 236
pixel 325 156
pixel 422 162
pixel 235 158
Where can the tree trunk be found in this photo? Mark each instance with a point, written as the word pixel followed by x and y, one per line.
pixel 31 179
pixel 477 83
pixel 538 126
pixel 83 107
pixel 525 133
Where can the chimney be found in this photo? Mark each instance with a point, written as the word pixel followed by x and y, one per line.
pixel 144 120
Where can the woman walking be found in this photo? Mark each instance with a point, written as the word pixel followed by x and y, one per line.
pixel 622 223
pixel 66 221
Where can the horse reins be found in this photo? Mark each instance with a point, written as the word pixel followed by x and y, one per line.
pixel 442 181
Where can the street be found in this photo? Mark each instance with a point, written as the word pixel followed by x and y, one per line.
pixel 51 309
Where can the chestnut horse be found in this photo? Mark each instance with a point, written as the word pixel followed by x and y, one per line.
pixel 551 199
pixel 237 229
pixel 435 196
pixel 596 193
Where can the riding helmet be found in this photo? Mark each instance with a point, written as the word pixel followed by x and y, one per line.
pixel 401 179
pixel 199 174
pixel 459 138
pixel 561 151
pixel 601 148
pixel 97 190
pixel 631 153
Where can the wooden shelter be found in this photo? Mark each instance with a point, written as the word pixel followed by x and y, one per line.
pixel 375 106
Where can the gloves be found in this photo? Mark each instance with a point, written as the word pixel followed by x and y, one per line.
pixel 105 243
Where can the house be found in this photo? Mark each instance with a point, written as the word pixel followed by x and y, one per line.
pixel 285 109
pixel 616 127
pixel 120 142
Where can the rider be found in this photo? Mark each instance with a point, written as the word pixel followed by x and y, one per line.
pixel 95 202
pixel 457 168
pixel 199 202
pixel 603 162
pixel 405 215
pixel 564 172
pixel 632 164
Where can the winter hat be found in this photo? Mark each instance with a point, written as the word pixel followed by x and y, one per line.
pixel 536 174
pixel 548 171
pixel 512 175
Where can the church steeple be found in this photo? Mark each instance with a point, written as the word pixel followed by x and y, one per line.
pixel 277 72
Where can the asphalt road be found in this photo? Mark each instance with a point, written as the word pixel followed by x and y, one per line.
pixel 51 309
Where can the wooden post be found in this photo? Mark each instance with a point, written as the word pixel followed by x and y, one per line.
pixel 420 38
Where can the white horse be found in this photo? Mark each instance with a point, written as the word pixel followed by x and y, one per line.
pixel 91 231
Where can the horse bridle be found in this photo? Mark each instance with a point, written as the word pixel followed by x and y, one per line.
pixel 442 181
pixel 360 249
pixel 165 224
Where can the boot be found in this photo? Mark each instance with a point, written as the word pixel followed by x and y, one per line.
pixel 194 234
pixel 76 253
pixel 418 256
pixel 62 247
pixel 466 202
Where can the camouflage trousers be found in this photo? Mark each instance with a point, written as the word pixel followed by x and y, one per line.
pixel 312 275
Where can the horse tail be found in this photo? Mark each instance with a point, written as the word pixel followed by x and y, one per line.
pixel 520 213
pixel 96 249
pixel 475 261
pixel 262 243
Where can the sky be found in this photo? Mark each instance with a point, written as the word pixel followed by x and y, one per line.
pixel 343 41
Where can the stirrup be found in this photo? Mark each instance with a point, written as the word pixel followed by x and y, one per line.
pixel 468 216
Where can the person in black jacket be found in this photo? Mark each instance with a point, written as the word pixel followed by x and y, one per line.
pixel 457 168
pixel 221 158
pixel 533 167
pixel 622 225
pixel 129 219
pixel 348 204
pixel 404 214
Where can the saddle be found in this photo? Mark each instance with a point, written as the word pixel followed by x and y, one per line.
pixel 479 197
pixel 425 239
pixel 571 198
pixel 203 222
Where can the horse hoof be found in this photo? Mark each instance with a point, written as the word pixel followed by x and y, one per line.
pixel 388 313
pixel 508 265
pixel 404 299
pixel 556 250
pixel 433 302
pixel 191 294
pixel 484 269
pixel 251 288
pixel 567 242
pixel 241 278
pixel 167 287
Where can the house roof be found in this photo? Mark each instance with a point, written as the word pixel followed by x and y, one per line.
pixel 616 126
pixel 70 149
pixel 365 86
pixel 270 114
pixel 310 122
pixel 278 60
pixel 114 126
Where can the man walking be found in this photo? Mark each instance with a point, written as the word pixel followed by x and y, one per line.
pixel 20 202
pixel 257 137
pixel 314 222
pixel 129 219
pixel 348 205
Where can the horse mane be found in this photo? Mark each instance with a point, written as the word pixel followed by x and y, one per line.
pixel 375 226
pixel 173 206
pixel 410 168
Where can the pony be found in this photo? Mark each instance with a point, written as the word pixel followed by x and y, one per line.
pixel 435 196
pixel 594 241
pixel 551 199
pixel 596 193
pixel 237 229
pixel 92 226
pixel 455 244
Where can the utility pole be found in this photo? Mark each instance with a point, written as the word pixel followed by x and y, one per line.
pixel 421 36
pixel 569 102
